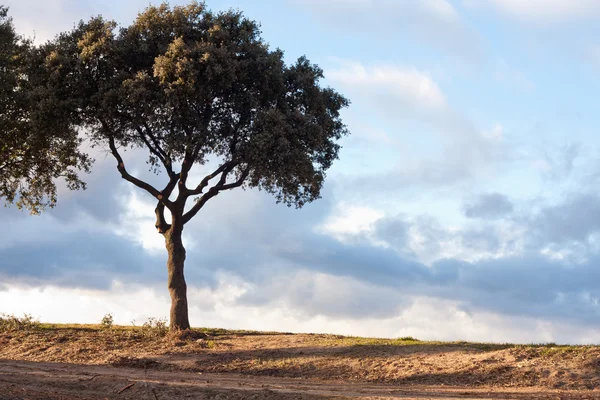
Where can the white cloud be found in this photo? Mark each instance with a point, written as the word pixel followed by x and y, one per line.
pixel 545 11
pixel 441 9
pixel 426 318
pixel 406 86
pixel 457 148
pixel 349 220
pixel 137 220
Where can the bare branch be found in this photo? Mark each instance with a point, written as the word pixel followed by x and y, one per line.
pixel 224 169
pixel 129 178
pixel 237 183
pixel 215 190
pixel 192 156
pixel 199 204
pixel 154 151
pixel 155 141
pixel 157 151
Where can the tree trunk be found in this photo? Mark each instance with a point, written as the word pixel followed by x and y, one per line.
pixel 177 287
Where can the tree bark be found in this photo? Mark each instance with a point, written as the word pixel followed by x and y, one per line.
pixel 177 287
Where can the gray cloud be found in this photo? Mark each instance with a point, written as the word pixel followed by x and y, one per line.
pixel 529 285
pixel 574 219
pixel 276 250
pixel 489 206
pixel 311 294
pixel 80 259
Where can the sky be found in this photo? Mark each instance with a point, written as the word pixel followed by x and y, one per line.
pixel 464 205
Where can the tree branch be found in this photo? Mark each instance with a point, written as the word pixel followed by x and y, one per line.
pixel 188 162
pixel 156 150
pixel 155 141
pixel 129 178
pixel 166 192
pixel 224 169
pixel 191 156
pixel 237 183
pixel 161 224
pixel 215 190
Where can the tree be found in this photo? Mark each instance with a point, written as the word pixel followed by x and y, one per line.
pixel 192 86
pixel 36 148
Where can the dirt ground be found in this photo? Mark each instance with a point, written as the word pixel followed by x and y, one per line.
pixel 60 363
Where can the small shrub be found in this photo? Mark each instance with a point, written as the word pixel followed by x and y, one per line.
pixel 155 327
pixel 408 339
pixel 107 321
pixel 10 323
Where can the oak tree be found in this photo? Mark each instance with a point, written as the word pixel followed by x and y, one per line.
pixel 37 146
pixel 191 86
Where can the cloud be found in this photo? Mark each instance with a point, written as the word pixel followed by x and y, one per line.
pixel 426 318
pixel 309 295
pixel 545 11
pixel 400 94
pixel 434 22
pixel 79 260
pixel 260 256
pixel 44 19
pixel 529 284
pixel 576 218
pixel 404 88
pixel 489 206
pixel 349 221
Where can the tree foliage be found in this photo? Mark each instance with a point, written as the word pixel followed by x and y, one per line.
pixel 191 86
pixel 37 146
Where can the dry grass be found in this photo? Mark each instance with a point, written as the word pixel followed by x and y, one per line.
pixel 398 361
pixel 11 323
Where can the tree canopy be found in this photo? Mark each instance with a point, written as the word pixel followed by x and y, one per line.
pixel 37 146
pixel 187 85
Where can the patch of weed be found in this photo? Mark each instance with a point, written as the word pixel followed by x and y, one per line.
pixel 10 323
pixel 107 321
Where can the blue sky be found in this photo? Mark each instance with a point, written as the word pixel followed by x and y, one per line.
pixel 463 206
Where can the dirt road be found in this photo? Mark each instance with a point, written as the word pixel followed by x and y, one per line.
pixel 24 380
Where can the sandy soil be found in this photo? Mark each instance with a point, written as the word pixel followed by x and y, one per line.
pixel 90 363
pixel 37 381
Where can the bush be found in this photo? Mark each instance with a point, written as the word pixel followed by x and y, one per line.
pixel 10 323
pixel 408 339
pixel 107 321
pixel 155 327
